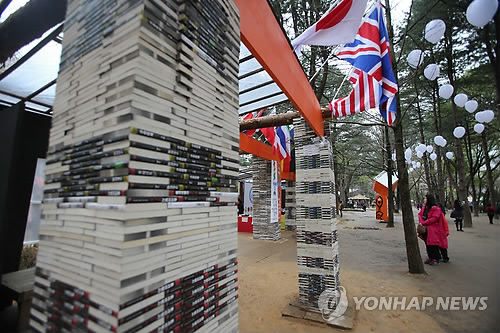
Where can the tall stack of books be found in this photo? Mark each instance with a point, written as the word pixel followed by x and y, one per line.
pixel 264 225
pixel 317 245
pixel 139 225
pixel 290 210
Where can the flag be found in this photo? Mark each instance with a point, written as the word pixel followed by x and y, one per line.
pixel 371 58
pixel 364 96
pixel 270 134
pixel 284 135
pixel 338 26
pixel 251 115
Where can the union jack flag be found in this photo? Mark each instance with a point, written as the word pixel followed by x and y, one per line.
pixel 373 79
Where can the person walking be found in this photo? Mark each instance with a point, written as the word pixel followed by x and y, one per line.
pixel 434 238
pixel 458 214
pixel 341 207
pixel 490 210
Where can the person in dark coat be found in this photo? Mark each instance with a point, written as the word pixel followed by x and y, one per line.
pixel 458 214
pixel 490 210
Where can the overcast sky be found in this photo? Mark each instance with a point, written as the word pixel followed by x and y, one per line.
pixel 43 67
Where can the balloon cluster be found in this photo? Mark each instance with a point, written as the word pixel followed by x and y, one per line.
pixel 461 100
pixel 479 13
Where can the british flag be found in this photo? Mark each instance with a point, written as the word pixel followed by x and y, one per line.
pixel 373 79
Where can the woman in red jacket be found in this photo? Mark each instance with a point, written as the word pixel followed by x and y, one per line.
pixel 434 238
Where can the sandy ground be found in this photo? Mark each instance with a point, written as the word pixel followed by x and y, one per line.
pixel 373 263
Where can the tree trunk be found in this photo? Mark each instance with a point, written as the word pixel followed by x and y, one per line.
pixel 491 184
pixel 439 162
pixel 396 207
pixel 390 196
pixel 497 67
pixel 451 184
pixel 415 264
pixel 460 160
pixel 276 120
pixel 472 172
pixel 422 139
pixel 493 57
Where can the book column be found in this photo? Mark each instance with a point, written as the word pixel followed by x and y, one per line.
pixel 139 217
pixel 290 210
pixel 317 245
pixel 265 200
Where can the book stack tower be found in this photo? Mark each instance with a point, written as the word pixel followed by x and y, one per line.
pixel 290 210
pixel 264 226
pixel 317 245
pixel 139 226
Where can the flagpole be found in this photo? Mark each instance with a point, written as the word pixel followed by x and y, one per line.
pixel 323 64
pixel 345 77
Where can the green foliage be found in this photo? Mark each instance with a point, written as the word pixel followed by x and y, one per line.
pixel 359 150
pixel 245 160
pixel 28 256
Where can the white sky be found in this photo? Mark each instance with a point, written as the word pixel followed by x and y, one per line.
pixel 11 8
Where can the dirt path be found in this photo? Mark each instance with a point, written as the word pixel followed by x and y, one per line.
pixel 373 263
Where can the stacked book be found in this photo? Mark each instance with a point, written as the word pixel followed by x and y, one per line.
pixel 139 225
pixel 317 243
pixel 290 210
pixel 264 226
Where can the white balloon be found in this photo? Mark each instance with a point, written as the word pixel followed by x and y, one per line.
pixel 443 142
pixel 488 116
pixel 479 117
pixel 460 100
pixel 459 132
pixel 480 12
pixel 431 72
pixel 411 170
pixel 446 91
pixel 430 149
pixel 420 154
pixel 485 116
pixel 479 128
pixel 418 164
pixel 408 154
pixel 434 30
pixel 422 147
pixel 449 155
pixel 433 156
pixel 437 139
pixel 415 58
pixel 471 106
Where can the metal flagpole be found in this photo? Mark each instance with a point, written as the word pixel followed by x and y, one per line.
pixel 345 77
pixel 331 54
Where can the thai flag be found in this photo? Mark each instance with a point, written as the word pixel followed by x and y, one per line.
pixel 371 58
pixel 284 146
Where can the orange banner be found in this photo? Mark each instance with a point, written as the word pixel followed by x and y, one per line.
pixel 381 208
